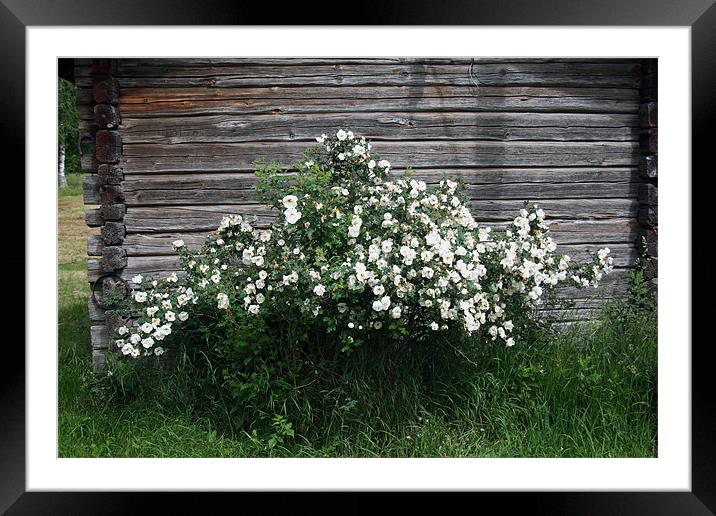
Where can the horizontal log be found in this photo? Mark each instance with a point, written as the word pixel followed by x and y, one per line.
pixel 142 245
pixel 163 266
pixel 96 314
pixel 106 91
pixel 108 146
pixel 88 164
pixel 113 258
pixel 90 190
pixel 395 126
pixel 157 102
pixel 99 336
pixel 648 215
pixel 193 190
pixel 648 194
pixel 157 158
pixel 106 116
pixel 596 232
pixel 648 114
pixel 110 174
pixel 167 219
pixel 112 212
pixel 113 233
pixel 127 64
pixel 649 166
pixel 649 140
pixel 93 217
pixel 622 74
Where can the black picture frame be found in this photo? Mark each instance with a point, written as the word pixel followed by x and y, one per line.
pixel 17 15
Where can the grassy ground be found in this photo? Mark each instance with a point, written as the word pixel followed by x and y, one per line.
pixel 589 393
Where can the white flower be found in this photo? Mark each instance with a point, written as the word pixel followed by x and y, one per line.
pixel 147 327
pixel 135 338
pixel 253 309
pixel 510 342
pixel 434 326
pixel 292 215
pixel 396 312
pixel 140 297
pixel 178 243
pixel 377 306
pixel 341 135
pixel 290 201
pixel 319 290
pixel 223 301
pixel 148 342
pixel 122 330
pixel 127 349
pixel 170 316
pixel 158 351
pixel 378 290
pixel 137 279
pixel 183 316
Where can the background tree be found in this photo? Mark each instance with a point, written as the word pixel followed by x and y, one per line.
pixel 68 121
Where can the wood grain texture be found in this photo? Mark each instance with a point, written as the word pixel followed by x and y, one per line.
pixel 280 100
pixel 394 126
pixel 156 158
pixel 564 73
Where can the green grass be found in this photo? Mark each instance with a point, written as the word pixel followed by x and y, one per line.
pixel 588 392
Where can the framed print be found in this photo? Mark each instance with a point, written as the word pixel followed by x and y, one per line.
pixel 177 106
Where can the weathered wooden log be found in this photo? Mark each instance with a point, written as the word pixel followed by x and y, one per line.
pixel 397 126
pixel 277 101
pixel 648 194
pixel 651 268
pixel 99 360
pixel 113 212
pixel 625 74
pixel 649 140
pixel 157 219
pixel 88 164
pixel 90 190
pixel 648 166
pixel 113 258
pixel 647 114
pixel 648 215
pixel 93 217
pixel 108 146
pixel 111 194
pixel 158 158
pixel 113 233
pixel 99 337
pixel 106 91
pixel 110 174
pixel 101 66
pixel 106 116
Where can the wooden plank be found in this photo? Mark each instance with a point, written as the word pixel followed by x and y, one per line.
pixel 143 245
pixel 158 158
pixel 90 189
pixel 129 63
pixel 624 74
pixel 600 233
pixel 167 219
pixel 193 190
pixel 153 102
pixel 163 266
pixel 397 126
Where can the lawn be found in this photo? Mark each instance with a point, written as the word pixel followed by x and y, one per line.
pixel 587 392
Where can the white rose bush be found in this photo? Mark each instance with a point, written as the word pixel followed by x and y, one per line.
pixel 358 254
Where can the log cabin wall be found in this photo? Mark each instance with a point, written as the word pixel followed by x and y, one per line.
pixel 171 145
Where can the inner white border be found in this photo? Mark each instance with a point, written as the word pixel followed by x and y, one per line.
pixel 670 471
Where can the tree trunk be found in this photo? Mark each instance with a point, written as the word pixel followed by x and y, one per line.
pixel 61 167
